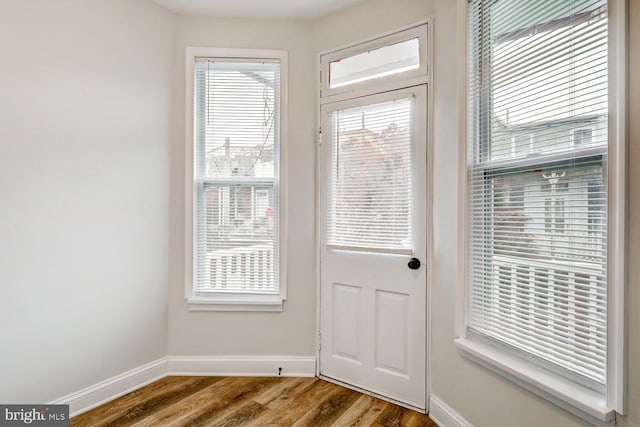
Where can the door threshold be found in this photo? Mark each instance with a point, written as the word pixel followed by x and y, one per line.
pixel 376 395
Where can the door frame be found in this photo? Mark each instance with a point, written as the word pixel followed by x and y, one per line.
pixel 364 91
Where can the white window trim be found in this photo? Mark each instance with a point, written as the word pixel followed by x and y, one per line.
pixel 579 400
pixel 592 407
pixel 234 301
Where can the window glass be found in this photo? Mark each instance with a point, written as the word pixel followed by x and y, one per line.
pixel 385 61
pixel 237 130
pixel 370 187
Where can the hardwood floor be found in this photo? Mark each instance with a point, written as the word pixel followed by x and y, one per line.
pixel 248 401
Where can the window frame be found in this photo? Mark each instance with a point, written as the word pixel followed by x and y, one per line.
pixel 234 301
pixel 596 408
pixel 574 137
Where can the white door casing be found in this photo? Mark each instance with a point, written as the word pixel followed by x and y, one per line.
pixel 372 305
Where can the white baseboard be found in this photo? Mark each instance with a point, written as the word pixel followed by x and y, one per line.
pixel 263 366
pixel 114 387
pixel 443 415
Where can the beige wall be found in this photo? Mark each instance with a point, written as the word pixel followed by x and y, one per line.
pixel 85 98
pixel 290 333
pixel 368 19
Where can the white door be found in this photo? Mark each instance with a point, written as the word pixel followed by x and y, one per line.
pixel 373 224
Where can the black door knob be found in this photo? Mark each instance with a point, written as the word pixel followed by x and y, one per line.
pixel 414 263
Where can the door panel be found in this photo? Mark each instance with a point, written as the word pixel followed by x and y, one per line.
pixel 346 312
pixel 392 326
pixel 373 221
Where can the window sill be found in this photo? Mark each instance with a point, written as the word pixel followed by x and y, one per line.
pixel 236 302
pixel 580 401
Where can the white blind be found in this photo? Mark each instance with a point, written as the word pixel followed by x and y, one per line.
pixel 236 176
pixel 370 177
pixel 537 181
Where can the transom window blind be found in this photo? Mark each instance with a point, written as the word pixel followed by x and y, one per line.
pixel 537 181
pixel 370 182
pixel 236 176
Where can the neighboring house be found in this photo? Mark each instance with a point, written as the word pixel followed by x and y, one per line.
pixel 558 189
pixel 237 211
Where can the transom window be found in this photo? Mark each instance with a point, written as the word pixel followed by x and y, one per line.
pixel 377 64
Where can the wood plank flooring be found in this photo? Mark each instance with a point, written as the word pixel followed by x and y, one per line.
pixel 248 401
